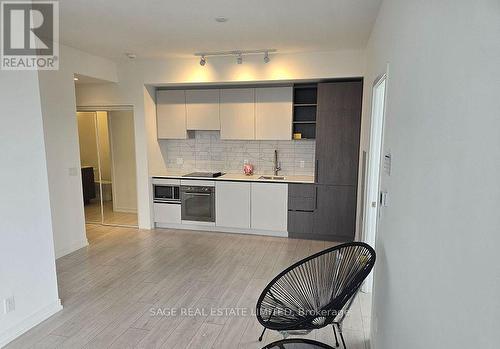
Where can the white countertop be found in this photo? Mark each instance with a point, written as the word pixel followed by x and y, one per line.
pixel 239 177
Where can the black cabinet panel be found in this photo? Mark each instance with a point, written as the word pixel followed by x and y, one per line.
pixel 301 204
pixel 335 214
pixel 327 210
pixel 300 222
pixel 337 132
pixel 301 190
pixel 301 197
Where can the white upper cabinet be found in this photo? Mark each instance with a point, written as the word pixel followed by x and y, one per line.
pixel 202 107
pixel 263 113
pixel 171 114
pixel 237 113
pixel 273 113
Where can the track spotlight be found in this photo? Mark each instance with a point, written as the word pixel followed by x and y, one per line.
pixel 266 57
pixel 239 60
pixel 203 61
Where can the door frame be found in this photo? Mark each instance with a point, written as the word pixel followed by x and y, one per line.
pixel 107 109
pixel 374 175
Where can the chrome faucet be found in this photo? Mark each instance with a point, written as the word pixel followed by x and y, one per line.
pixel 277 165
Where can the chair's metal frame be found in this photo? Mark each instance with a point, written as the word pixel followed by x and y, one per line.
pixel 340 304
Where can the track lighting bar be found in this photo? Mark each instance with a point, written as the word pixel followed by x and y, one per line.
pixel 237 53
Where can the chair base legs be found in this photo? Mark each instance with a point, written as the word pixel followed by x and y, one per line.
pixel 339 326
pixel 342 338
pixel 337 344
pixel 341 335
pixel 262 335
pixel 335 334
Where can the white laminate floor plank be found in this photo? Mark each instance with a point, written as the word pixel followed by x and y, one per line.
pixel 168 288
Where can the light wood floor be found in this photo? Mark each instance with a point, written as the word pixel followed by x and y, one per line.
pixel 93 214
pixel 109 290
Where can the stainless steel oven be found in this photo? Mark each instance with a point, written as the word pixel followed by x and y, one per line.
pixel 198 203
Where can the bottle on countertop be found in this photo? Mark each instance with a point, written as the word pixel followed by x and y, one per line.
pixel 247 168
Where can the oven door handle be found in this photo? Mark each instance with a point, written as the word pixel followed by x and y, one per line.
pixel 197 194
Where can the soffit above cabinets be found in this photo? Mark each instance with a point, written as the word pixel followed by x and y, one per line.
pixel 248 84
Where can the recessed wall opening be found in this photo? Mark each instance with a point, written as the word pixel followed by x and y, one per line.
pixel 108 166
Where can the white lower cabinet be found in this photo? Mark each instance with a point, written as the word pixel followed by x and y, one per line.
pixel 269 209
pixel 232 204
pixel 167 213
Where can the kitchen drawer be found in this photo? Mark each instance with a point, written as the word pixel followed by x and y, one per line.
pixel 167 213
pixel 301 190
pixel 300 222
pixel 301 203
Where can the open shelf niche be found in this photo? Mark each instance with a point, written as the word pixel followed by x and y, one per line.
pixel 304 110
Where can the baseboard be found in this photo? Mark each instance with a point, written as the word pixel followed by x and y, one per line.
pixel 71 248
pixel 216 229
pixel 125 209
pixel 311 236
pixel 30 322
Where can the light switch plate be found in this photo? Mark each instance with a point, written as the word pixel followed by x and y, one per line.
pixel 388 163
pixel 180 161
pixel 73 171
pixel 302 164
pixel 384 199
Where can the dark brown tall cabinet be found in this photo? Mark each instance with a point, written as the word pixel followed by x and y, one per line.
pixel 338 125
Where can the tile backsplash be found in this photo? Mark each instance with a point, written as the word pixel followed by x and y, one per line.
pixel 207 152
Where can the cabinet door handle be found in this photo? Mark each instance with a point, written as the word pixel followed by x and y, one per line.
pixel 316 198
pixel 316 171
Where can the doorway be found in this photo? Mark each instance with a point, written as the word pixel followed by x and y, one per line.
pixel 372 201
pixel 108 165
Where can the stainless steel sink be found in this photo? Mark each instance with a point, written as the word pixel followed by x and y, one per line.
pixel 278 178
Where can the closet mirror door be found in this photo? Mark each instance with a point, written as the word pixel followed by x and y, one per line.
pixel 118 167
pixel 89 161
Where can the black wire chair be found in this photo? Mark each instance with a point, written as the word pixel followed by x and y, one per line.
pixel 316 291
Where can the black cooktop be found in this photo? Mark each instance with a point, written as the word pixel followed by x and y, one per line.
pixel 204 174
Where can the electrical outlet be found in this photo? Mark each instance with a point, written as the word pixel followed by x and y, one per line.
pixel 302 164
pixel 9 305
pixel 180 161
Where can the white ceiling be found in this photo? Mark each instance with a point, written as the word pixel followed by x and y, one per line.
pixel 177 28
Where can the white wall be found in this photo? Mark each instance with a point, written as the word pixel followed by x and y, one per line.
pixel 437 280
pixel 137 77
pixel 27 264
pixel 121 130
pixel 60 127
